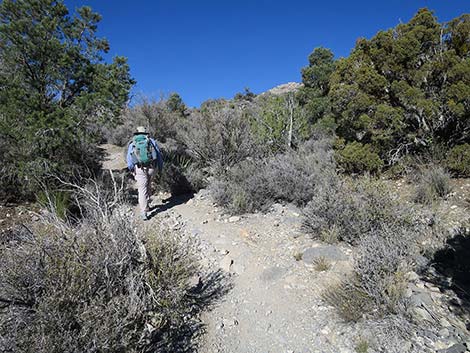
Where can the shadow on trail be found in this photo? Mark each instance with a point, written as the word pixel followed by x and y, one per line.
pixel 451 271
pixel 169 203
pixel 210 289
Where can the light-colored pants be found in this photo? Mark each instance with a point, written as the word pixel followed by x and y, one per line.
pixel 143 177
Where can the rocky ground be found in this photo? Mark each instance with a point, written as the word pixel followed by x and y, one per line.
pixel 275 304
pixel 273 284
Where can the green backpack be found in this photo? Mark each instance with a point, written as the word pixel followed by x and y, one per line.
pixel 142 150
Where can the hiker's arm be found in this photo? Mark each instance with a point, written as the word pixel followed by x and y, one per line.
pixel 130 161
pixel 159 155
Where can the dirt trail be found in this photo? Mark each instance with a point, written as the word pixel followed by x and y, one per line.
pixel 274 304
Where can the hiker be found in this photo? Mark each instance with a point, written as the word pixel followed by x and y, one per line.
pixel 143 157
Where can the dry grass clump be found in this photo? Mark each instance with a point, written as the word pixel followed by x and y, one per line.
pixel 330 236
pixel 362 345
pixel 99 285
pixel 433 183
pixel 321 264
pixel 348 298
pixel 290 177
pixel 381 261
pixel 376 288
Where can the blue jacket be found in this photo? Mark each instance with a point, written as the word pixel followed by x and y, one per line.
pixel 157 155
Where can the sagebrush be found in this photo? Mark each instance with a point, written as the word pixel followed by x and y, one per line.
pixel 293 176
pixel 98 285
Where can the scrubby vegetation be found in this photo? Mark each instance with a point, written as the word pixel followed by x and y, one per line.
pixel 353 209
pixel 84 279
pixel 101 284
pixel 458 160
pixel 433 183
pixel 289 177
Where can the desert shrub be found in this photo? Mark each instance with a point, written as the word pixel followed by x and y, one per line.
pixel 100 285
pixel 458 160
pixel 278 122
pixel 218 136
pixel 356 157
pixel 353 208
pixel 383 257
pixel 331 235
pixel 58 201
pixel 289 177
pixel 158 116
pixel 433 183
pixel 381 262
pixel 377 284
pixel 321 264
pixel 350 301
pixel 394 334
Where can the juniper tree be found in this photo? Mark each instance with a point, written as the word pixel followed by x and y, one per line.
pixel 407 88
pixel 316 77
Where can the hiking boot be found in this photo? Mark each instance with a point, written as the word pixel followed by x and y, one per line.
pixel 144 216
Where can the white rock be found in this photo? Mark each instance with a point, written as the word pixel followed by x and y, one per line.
pixel 226 263
pixel 234 219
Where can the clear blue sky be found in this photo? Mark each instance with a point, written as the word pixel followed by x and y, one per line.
pixel 214 48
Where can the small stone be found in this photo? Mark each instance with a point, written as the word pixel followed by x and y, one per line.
pixel 226 263
pixel 456 348
pixel 412 276
pixel 272 274
pixel 432 288
pixel 421 299
pixel 195 281
pixel 234 219
pixel 440 346
pixel 421 314
pixel 205 221
pixel 444 333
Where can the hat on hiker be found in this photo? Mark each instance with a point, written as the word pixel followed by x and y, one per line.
pixel 141 130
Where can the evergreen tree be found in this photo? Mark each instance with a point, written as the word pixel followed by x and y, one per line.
pixel 315 77
pixel 55 86
pixel 406 89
